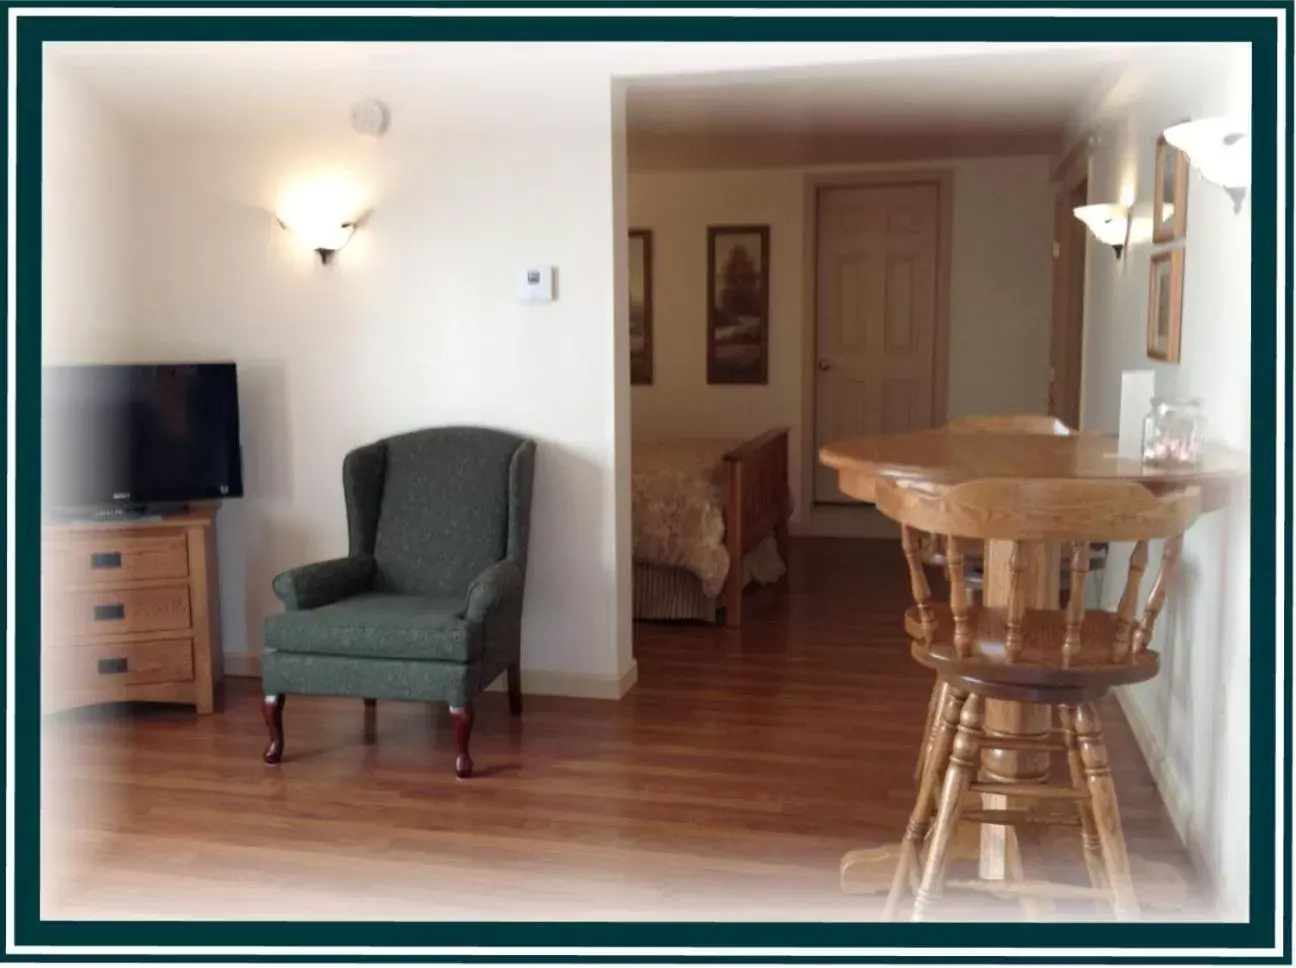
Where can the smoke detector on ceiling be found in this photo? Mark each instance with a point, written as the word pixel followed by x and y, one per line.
pixel 370 117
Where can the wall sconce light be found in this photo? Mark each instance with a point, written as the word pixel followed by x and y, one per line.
pixel 1109 224
pixel 325 237
pixel 1220 150
pixel 322 213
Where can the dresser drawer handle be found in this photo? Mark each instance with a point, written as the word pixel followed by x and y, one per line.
pixel 109 613
pixel 106 559
pixel 112 667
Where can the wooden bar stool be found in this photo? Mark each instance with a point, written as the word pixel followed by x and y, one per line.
pixel 1065 658
pixel 934 550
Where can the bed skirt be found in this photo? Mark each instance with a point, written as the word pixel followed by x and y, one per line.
pixel 663 593
pixel 666 593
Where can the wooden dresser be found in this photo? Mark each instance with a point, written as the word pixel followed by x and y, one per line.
pixel 130 611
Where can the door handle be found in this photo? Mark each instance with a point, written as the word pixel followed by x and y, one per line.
pixel 824 365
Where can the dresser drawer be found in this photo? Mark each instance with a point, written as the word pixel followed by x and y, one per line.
pixel 122 611
pixel 86 668
pixel 117 556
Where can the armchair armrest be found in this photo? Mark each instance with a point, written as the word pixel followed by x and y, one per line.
pixel 494 587
pixel 324 582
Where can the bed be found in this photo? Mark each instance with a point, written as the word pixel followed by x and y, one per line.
pixel 699 507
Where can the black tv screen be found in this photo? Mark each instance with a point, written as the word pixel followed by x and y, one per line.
pixel 139 435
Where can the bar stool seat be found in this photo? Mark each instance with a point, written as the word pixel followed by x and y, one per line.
pixel 1040 663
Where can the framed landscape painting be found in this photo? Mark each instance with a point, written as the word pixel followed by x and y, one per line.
pixel 738 304
pixel 1170 198
pixel 641 334
pixel 1165 305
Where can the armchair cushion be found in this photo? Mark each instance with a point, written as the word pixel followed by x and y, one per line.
pixel 380 625
pixel 324 582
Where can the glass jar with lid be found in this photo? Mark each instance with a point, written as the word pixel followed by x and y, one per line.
pixel 1172 432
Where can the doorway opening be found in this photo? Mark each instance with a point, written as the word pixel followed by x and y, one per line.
pixel 1066 348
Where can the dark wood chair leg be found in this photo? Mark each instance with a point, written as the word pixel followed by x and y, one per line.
pixel 370 720
pixel 272 710
pixel 515 688
pixel 462 716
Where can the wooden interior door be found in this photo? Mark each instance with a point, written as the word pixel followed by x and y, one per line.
pixel 1066 350
pixel 876 306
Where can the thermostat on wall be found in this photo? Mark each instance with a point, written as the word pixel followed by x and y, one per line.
pixel 535 284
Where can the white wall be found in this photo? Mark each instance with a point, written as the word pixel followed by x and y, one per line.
pixel 85 216
pixel 163 246
pixel 1193 719
pixel 1000 305
pixel 415 324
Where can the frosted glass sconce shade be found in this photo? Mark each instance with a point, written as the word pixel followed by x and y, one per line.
pixel 1220 150
pixel 1109 224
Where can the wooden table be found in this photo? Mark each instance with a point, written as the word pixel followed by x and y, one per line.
pixel 943 458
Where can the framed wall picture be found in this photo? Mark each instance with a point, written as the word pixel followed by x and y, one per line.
pixel 1165 305
pixel 641 316
pixel 1170 203
pixel 738 304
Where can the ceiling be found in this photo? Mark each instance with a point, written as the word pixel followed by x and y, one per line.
pixel 759 105
pixel 1011 103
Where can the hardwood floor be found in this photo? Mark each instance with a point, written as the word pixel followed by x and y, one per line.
pixel 726 785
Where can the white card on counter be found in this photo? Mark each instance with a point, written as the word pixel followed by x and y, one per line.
pixel 1138 387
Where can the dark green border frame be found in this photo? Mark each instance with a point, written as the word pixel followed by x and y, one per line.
pixel 1143 941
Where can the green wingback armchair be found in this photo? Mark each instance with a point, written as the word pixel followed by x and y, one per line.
pixel 428 603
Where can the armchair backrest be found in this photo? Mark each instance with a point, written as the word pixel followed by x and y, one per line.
pixel 436 507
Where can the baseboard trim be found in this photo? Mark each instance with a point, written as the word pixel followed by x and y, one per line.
pixel 535 682
pixel 848 521
pixel 242 665
pixel 1177 804
pixel 574 685
pixel 1176 800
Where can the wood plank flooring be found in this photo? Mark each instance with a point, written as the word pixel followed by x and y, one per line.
pixel 726 785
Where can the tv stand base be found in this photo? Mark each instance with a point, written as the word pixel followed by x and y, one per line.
pixel 132 611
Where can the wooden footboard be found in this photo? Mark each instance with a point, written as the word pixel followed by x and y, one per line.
pixel 756 504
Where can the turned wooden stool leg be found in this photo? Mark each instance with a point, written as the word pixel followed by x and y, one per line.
pixel 947 720
pixel 1102 793
pixel 934 706
pixel 1088 833
pixel 959 774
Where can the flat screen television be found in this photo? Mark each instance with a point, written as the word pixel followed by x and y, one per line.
pixel 129 438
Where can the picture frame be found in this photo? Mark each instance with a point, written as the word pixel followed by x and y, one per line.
pixel 738 261
pixel 1170 200
pixel 1165 305
pixel 640 284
